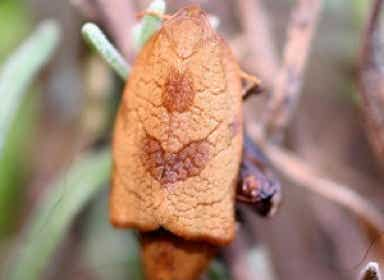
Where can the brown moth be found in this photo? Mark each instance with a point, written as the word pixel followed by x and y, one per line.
pixel 178 135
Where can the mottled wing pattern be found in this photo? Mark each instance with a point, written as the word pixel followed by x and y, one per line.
pixel 178 137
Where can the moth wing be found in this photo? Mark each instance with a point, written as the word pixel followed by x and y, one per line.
pixel 134 193
pixel 202 207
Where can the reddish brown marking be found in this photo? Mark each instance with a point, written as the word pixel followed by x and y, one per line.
pixel 169 167
pixel 178 91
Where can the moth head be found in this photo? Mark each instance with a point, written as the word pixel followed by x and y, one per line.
pixel 259 188
pixel 187 30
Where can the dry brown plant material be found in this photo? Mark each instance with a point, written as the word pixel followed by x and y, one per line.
pixel 287 84
pixel 371 78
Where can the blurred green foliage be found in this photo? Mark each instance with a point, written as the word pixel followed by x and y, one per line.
pixel 14 163
pixel 360 9
pixel 55 213
pixel 120 258
pixel 16 75
pixel 19 70
pixel 217 271
pixel 15 24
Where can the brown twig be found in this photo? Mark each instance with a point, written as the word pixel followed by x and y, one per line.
pixel 300 172
pixel 262 58
pixel 370 272
pixel 286 88
pixel 119 16
pixel 87 8
pixel 371 80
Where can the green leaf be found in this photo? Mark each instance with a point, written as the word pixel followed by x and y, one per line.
pixel 15 25
pixel 49 224
pixel 20 69
pixel 96 38
pixel 15 162
pixel 93 35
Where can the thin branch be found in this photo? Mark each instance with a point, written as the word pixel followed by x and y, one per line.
pixel 371 33
pixel 371 272
pixel 303 174
pixel 119 17
pixel 262 58
pixel 97 39
pixel 371 80
pixel 87 8
pixel 286 88
pixel 300 172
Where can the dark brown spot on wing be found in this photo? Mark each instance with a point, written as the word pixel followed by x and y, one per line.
pixel 178 92
pixel 168 167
